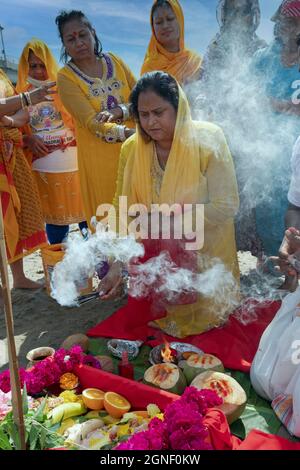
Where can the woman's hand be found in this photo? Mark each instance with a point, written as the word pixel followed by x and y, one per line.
pixel 17 120
pixel 111 285
pixel 112 115
pixel 36 146
pixel 289 253
pixel 42 93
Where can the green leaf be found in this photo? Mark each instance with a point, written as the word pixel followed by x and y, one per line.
pixel 40 414
pixel 33 437
pixel 4 440
pixel 13 432
pixel 53 440
pixel 256 417
pixel 42 438
pixel 25 400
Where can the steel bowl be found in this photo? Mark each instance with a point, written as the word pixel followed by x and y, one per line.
pixel 117 346
pixel 155 354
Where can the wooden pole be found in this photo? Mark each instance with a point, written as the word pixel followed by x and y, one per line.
pixel 12 355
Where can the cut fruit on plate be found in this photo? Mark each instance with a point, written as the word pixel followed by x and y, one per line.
pixel 195 364
pixel 233 395
pixel 166 377
pixel 93 398
pixel 116 405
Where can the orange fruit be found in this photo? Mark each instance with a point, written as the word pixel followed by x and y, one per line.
pixel 93 398
pixel 116 405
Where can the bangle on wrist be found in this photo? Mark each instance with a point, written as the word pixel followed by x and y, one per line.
pixel 125 111
pixel 28 98
pixel 23 101
pixel 121 133
pixel 11 121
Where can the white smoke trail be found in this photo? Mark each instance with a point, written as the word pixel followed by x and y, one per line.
pixel 160 278
pixel 82 258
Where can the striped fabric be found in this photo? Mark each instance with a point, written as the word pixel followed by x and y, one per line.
pixel 290 9
pixel 283 408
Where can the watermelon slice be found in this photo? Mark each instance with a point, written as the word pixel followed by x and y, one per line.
pixel 233 395
pixel 166 377
pixel 195 364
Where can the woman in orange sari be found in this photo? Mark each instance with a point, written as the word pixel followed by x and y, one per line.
pixel 166 50
pixel 50 141
pixel 22 215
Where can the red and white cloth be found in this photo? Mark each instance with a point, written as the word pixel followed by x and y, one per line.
pixel 290 9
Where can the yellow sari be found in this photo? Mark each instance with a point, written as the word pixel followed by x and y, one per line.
pixel 199 170
pixel 22 215
pixel 98 143
pixel 183 65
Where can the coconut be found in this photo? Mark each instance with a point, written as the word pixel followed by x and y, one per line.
pixel 107 364
pixel 76 340
pixel 195 364
pixel 233 395
pixel 166 377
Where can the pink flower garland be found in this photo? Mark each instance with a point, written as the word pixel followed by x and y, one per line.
pixel 48 372
pixel 182 428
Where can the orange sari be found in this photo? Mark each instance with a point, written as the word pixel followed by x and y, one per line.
pixel 183 65
pixel 22 215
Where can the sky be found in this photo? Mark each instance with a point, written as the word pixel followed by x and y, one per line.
pixel 123 26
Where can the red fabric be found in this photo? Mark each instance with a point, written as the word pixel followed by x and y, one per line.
pixel 258 440
pixel 235 344
pixel 219 432
pixel 138 394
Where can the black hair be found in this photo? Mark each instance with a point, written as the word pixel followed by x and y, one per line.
pixel 63 18
pixel 161 83
pixel 160 4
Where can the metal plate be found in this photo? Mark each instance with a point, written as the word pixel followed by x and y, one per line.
pixel 117 346
pixel 155 354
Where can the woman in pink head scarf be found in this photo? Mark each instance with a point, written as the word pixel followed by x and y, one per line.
pixel 277 67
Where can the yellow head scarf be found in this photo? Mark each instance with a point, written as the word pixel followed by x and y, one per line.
pixel 183 65
pixel 42 51
pixel 182 173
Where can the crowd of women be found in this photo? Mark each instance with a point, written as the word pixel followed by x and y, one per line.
pixel 118 136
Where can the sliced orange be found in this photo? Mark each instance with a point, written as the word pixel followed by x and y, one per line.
pixel 93 398
pixel 116 405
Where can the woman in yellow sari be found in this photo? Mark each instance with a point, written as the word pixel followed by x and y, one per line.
pixel 175 160
pixel 51 134
pixel 166 50
pixel 22 215
pixel 95 88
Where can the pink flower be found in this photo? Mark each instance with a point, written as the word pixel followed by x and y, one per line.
pixel 138 441
pixel 201 399
pixel 190 439
pixel 5 404
pixel 182 428
pixel 48 372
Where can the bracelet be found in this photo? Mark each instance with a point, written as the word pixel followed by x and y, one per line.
pixel 11 121
pixel 121 133
pixel 28 98
pixel 125 111
pixel 23 101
